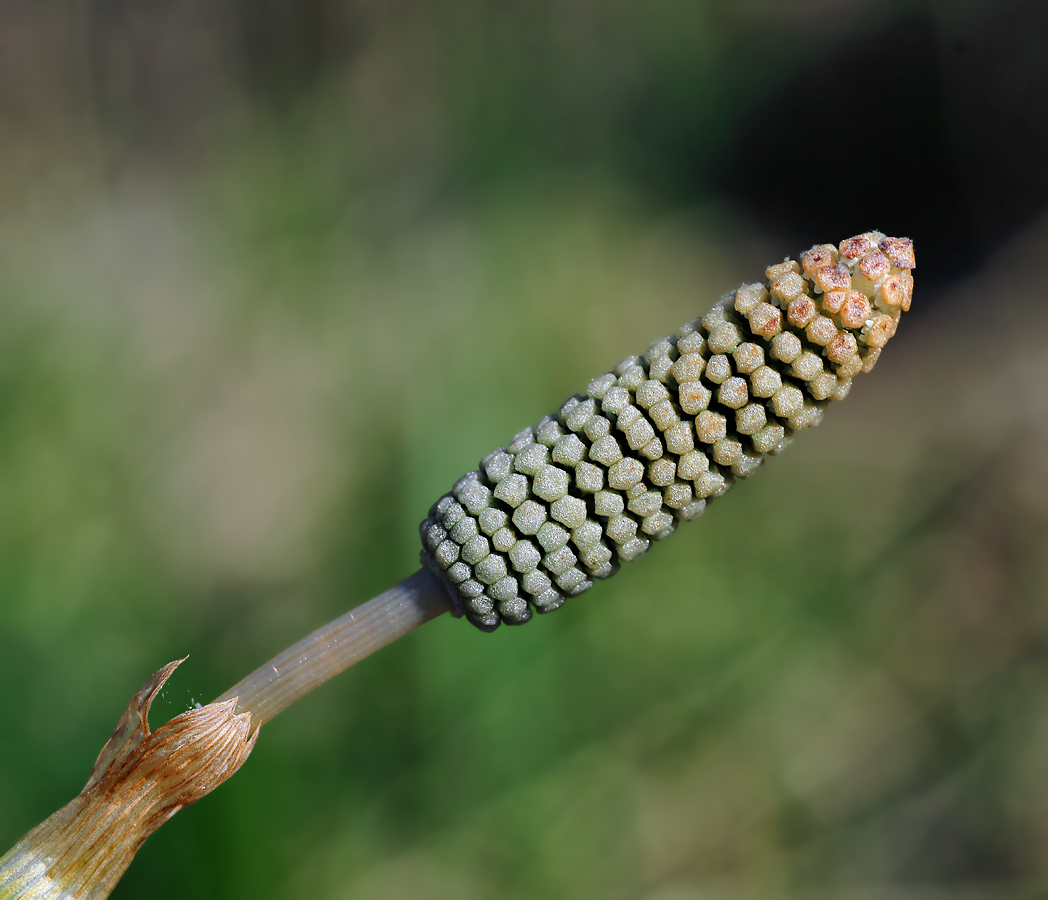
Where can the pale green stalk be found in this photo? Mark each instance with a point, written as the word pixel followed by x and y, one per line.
pixel 332 649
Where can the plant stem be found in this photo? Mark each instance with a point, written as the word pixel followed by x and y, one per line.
pixel 332 649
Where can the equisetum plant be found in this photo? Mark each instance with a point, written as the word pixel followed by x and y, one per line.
pixel 646 447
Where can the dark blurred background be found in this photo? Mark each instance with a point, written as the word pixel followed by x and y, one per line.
pixel 274 274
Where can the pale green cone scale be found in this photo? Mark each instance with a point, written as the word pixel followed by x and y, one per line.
pixel 651 442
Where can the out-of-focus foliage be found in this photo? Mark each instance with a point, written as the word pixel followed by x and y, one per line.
pixel 273 275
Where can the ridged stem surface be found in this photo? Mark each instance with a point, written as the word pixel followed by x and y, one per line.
pixel 332 649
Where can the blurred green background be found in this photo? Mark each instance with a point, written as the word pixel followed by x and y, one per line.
pixel 273 274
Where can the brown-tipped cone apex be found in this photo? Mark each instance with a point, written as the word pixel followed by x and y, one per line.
pixel 653 441
pixel 140 780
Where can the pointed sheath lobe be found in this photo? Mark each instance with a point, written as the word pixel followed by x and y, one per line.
pixel 140 780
